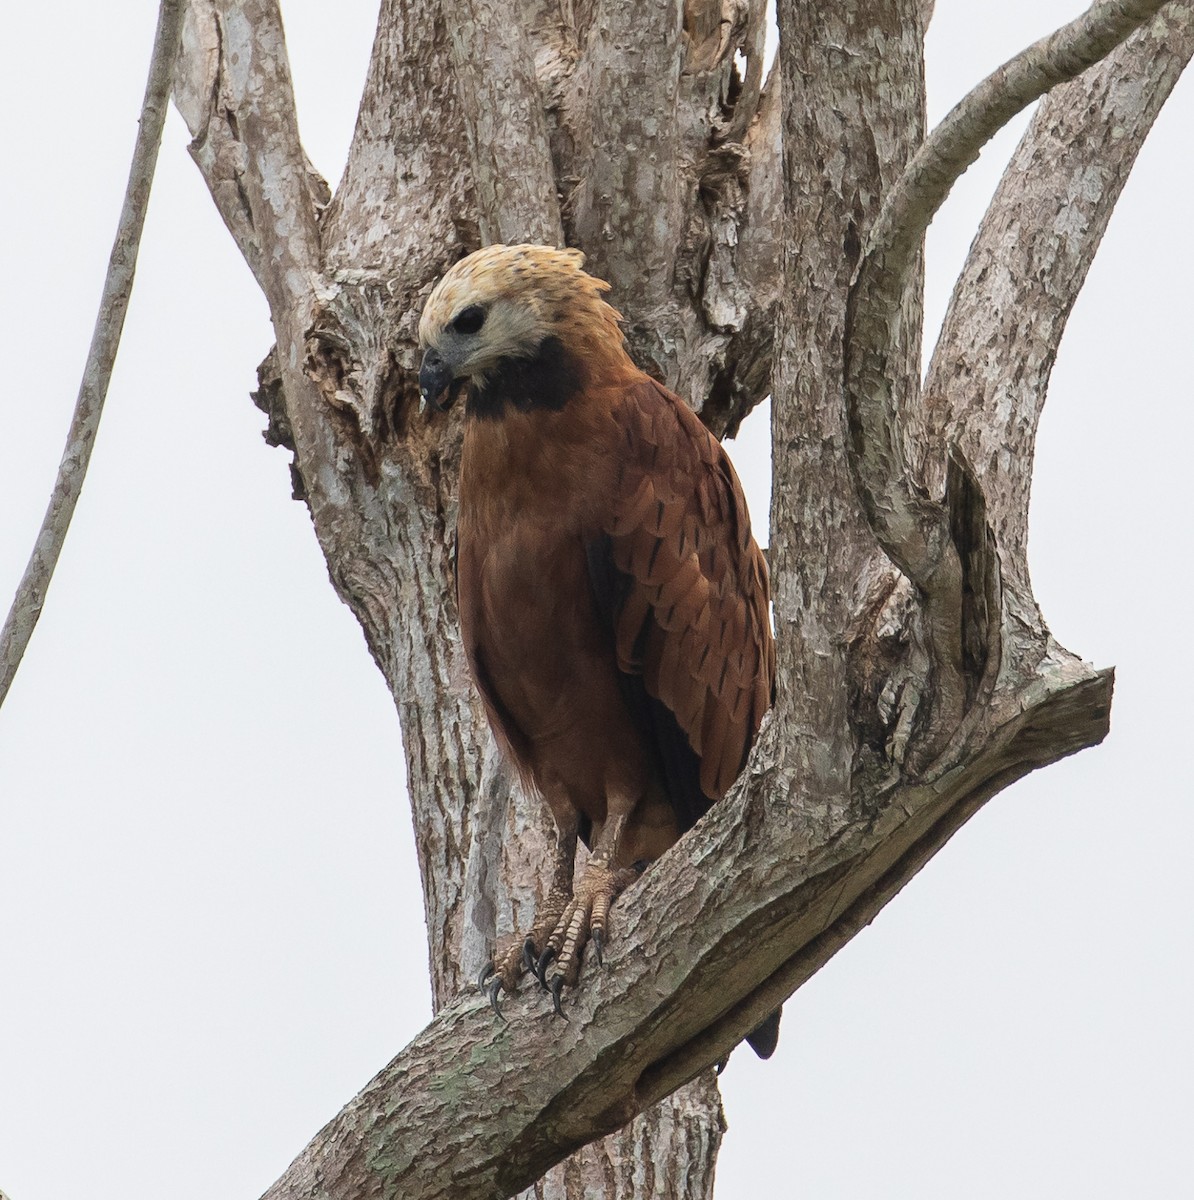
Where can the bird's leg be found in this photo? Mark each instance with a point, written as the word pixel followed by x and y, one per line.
pixel 521 953
pixel 586 916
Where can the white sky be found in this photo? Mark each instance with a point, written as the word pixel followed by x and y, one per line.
pixel 210 923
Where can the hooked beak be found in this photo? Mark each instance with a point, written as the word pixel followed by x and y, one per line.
pixel 435 380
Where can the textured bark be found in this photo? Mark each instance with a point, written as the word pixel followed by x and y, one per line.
pixel 918 532
pixel 854 99
pixel 381 485
pixel 706 199
pixel 507 131
pixel 1023 274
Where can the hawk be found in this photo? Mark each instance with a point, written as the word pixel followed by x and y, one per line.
pixel 614 605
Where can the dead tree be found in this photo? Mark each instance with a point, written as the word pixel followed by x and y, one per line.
pixel 762 236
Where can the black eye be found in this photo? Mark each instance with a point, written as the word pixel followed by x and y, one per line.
pixel 469 320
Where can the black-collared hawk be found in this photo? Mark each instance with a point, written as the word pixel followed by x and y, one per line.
pixel 613 603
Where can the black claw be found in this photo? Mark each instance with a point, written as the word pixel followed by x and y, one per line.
pixel 486 971
pixel 557 986
pixel 529 958
pixel 542 965
pixel 493 990
pixel 598 943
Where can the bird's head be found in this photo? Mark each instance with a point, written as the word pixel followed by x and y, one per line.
pixel 502 305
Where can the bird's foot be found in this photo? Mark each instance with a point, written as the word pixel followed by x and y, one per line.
pixel 520 954
pixel 585 919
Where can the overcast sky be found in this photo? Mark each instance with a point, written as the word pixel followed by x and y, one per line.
pixel 211 931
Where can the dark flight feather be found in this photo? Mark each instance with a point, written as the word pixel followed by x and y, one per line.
pixel 676 760
pixel 682 587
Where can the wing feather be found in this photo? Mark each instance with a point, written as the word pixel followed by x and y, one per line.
pixel 689 612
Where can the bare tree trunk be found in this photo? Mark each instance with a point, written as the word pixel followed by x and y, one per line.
pixel 916 676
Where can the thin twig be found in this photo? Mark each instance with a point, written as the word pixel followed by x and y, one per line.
pixel 118 286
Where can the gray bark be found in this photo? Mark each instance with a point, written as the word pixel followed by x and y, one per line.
pixel 907 697
pixel 1024 272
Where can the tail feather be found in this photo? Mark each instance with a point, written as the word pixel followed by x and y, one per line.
pixel 765 1037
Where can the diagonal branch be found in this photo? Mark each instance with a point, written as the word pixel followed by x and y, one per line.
pixel 101 356
pixel 467 1110
pixel 957 141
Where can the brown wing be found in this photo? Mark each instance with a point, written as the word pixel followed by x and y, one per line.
pixel 685 589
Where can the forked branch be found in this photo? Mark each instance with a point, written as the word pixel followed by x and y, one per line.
pixel 990 372
pixel 914 529
pixel 985 110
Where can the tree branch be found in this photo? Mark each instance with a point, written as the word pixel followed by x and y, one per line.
pixel 916 531
pixel 467 1110
pixel 853 115
pixel 234 91
pixel 990 372
pixel 406 208
pixel 101 355
pixel 911 533
pixel 957 141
